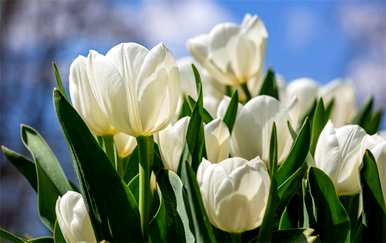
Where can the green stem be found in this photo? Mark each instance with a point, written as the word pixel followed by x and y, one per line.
pixel 108 146
pixel 146 156
pixel 236 238
pixel 248 95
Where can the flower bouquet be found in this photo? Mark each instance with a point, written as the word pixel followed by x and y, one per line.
pixel 210 149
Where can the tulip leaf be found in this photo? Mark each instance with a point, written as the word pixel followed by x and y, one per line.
pixel 291 186
pixel 269 86
pixel 319 119
pixel 333 223
pixel 273 151
pixel 176 220
pixel 7 236
pixel 185 109
pixel 23 165
pixel 351 205
pixel 373 202
pixel 364 114
pixel 195 133
pixel 206 116
pixel 44 239
pixel 58 236
pixel 59 82
pixel 114 216
pixel 51 180
pixel 231 112
pixel 297 235
pixel 374 124
pixel 270 215
pixel 203 230
pixel 129 166
pixel 297 154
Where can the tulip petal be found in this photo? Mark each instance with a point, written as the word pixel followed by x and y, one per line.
pixel 217 140
pixel 125 144
pixel 84 100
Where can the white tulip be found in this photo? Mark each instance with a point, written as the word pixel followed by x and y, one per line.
pixel 232 54
pixel 337 153
pixel 217 140
pixel 343 94
pixel 136 88
pixel 125 144
pixel 84 100
pixel 213 91
pixel 73 218
pixel 251 133
pixel 306 92
pixel 235 193
pixel 377 145
pixel 172 142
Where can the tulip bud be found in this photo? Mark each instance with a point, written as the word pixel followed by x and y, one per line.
pixel 217 140
pixel 253 126
pixel 235 193
pixel 337 153
pixel 377 145
pixel 125 144
pixel 344 101
pixel 306 92
pixel 84 101
pixel 171 142
pixel 137 88
pixel 73 218
pixel 232 54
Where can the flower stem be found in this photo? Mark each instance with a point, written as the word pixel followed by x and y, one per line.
pixel 146 156
pixel 245 89
pixel 236 238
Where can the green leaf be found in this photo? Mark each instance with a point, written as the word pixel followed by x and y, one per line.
pixel 59 83
pixel 7 236
pixel 195 132
pixel 373 126
pixel 203 230
pixel 269 86
pixel 294 236
pixel 44 239
pixel 175 222
pixel 25 166
pixel 319 119
pixel 130 166
pixel 273 152
pixel 364 114
pixel 270 215
pixel 52 181
pixel 297 154
pixel 351 205
pixel 185 109
pixel 231 112
pixel 333 223
pixel 58 236
pixel 206 116
pixel 373 202
pixel 291 186
pixel 114 217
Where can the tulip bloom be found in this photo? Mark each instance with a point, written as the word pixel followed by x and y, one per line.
pixel 337 153
pixel 306 92
pixel 235 193
pixel 217 140
pixel 84 101
pixel 73 218
pixel 136 88
pixel 171 143
pixel 125 144
pixel 343 94
pixel 253 126
pixel 377 145
pixel 230 53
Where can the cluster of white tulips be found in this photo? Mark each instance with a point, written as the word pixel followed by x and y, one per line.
pixel 207 149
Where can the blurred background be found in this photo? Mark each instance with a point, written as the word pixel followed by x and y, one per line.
pixel 320 39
